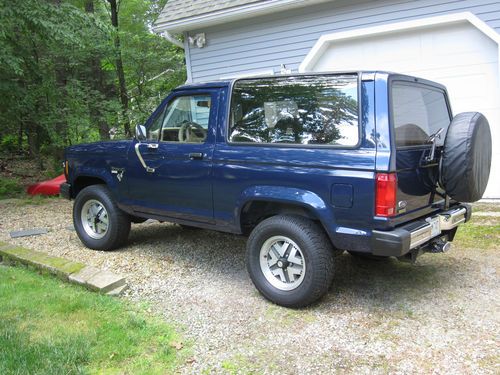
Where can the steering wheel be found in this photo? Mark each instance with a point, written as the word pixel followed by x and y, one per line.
pixel 188 132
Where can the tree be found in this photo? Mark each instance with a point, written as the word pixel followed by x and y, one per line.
pixel 114 5
pixel 72 69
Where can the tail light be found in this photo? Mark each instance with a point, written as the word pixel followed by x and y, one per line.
pixel 385 194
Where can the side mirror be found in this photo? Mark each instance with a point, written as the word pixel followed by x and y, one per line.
pixel 140 133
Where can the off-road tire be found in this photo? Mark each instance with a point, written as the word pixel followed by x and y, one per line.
pixel 118 221
pixel 318 255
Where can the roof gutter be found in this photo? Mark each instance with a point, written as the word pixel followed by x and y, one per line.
pixel 230 14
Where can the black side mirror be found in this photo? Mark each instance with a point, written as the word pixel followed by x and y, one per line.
pixel 140 133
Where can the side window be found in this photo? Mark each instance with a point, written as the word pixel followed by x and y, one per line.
pixel 307 110
pixel 418 112
pixel 186 119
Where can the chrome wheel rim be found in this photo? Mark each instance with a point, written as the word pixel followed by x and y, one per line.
pixel 94 219
pixel 282 263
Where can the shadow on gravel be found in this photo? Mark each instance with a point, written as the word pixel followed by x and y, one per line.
pixel 393 284
pixel 221 252
pixel 388 283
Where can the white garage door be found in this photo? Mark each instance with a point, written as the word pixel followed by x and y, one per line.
pixel 457 55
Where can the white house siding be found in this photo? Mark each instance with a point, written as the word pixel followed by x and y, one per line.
pixel 261 44
pixel 456 54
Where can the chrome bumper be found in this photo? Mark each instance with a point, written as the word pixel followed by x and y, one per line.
pixel 436 224
pixel 399 241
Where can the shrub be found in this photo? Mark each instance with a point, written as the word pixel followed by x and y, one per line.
pixel 10 188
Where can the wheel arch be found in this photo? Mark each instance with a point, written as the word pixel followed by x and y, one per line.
pixel 83 181
pixel 260 202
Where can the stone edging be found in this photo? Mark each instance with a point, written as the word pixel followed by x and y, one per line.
pixel 90 277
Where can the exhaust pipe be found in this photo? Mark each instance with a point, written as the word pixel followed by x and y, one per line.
pixel 439 246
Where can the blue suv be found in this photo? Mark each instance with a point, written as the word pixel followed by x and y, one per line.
pixel 306 166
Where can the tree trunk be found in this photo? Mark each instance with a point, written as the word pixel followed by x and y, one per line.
pixel 61 79
pixel 20 138
pixel 119 67
pixel 97 84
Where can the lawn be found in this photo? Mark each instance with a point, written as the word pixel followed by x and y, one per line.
pixel 48 327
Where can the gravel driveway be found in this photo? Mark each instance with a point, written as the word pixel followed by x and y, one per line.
pixel 439 316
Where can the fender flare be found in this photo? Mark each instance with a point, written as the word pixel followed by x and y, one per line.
pixel 287 195
pixel 99 173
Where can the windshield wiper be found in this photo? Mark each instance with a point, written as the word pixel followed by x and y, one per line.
pixel 432 139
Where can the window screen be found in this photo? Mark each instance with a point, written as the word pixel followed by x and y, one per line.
pixel 418 112
pixel 308 110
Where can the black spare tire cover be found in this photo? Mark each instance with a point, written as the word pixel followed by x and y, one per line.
pixel 466 158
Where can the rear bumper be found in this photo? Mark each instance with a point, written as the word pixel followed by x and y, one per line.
pixel 401 240
pixel 65 190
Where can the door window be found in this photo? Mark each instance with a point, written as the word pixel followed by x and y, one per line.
pixel 186 119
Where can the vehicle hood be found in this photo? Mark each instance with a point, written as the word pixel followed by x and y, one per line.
pixel 99 148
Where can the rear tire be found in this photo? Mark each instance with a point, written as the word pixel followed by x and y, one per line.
pixel 290 260
pixel 98 221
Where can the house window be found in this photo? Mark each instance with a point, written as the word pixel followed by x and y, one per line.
pixel 306 110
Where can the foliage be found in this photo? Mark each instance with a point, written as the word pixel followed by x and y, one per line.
pixel 48 327
pixel 58 73
pixel 10 188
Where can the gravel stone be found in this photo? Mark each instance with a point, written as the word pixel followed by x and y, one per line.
pixel 440 316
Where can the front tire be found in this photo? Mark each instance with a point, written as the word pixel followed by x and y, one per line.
pixel 98 221
pixel 290 260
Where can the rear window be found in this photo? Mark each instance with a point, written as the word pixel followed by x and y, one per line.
pixel 418 112
pixel 314 110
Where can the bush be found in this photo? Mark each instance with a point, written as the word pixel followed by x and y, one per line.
pixel 10 188
pixel 8 143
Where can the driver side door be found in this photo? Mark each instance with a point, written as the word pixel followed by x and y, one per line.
pixel 170 173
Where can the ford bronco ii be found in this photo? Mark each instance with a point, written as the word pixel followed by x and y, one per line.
pixel 306 166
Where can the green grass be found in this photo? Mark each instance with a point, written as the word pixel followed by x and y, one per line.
pixel 476 234
pixel 10 188
pixel 24 199
pixel 485 207
pixel 48 327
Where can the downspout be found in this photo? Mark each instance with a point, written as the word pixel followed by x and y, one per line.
pixel 172 39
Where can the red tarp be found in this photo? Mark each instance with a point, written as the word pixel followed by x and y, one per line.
pixel 50 187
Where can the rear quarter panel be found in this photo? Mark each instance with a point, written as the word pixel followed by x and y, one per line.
pixel 336 183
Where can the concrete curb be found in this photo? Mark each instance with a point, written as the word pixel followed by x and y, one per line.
pixel 90 277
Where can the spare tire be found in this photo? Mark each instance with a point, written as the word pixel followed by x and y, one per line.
pixel 466 157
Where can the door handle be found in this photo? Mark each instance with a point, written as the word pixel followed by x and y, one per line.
pixel 195 156
pixel 138 153
pixel 153 146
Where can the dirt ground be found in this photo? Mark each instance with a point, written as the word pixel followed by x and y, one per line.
pixel 441 315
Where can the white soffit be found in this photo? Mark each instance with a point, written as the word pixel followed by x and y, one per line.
pixel 325 41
